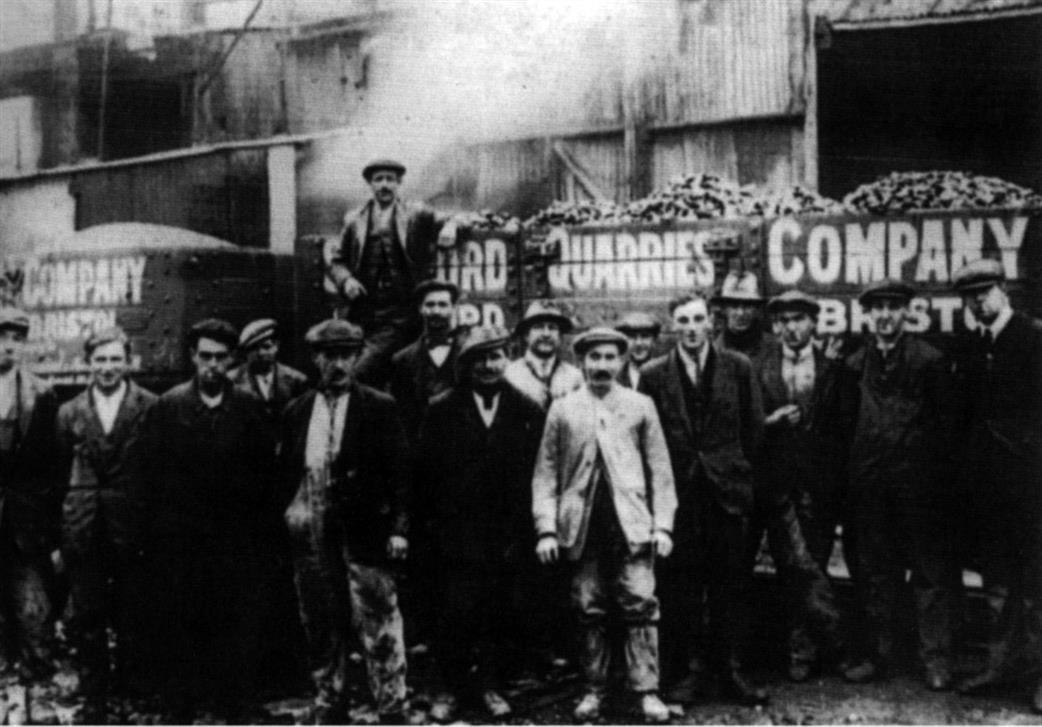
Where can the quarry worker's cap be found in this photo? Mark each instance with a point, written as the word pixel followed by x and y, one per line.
pixel 978 275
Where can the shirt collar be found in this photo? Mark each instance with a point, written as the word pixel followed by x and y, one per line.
pixel 689 362
pixel 544 368
pixel 999 323
pixel 118 394
pixel 805 353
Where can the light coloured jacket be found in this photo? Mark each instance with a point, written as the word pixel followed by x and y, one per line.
pixel 636 460
pixel 565 379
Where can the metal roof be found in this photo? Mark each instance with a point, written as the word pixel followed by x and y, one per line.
pixel 861 13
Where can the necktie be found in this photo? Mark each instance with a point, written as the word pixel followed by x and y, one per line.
pixel 331 404
pixel 987 338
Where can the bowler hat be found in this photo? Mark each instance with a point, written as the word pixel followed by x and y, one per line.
pixel 978 274
pixel 431 285
pixel 383 165
pixel 256 332
pixel 738 288
pixel 793 300
pixel 480 339
pixel 887 288
pixel 538 311
pixel 14 318
pixel 334 333
pixel 215 329
pixel 638 322
pixel 596 336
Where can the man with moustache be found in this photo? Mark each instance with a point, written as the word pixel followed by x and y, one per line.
pixel 98 443
pixel 477 448
pixel 28 484
pixel 740 299
pixel 345 476
pixel 802 470
pixel 642 331
pixel 540 374
pixel 709 402
pixel 274 383
pixel 1002 377
pixel 427 366
pixel 899 397
pixel 210 454
pixel 387 246
pixel 603 500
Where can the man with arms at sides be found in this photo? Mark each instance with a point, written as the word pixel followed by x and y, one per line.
pixel 99 445
pixel 1002 376
pixel 603 500
pixel 274 383
pixel 899 394
pixel 29 482
pixel 345 476
pixel 477 450
pixel 388 245
pixel 642 331
pixel 709 403
pixel 209 454
pixel 540 374
pixel 803 468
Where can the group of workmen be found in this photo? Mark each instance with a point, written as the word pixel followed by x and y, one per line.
pixel 637 489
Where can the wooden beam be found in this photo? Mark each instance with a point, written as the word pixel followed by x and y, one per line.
pixel 584 179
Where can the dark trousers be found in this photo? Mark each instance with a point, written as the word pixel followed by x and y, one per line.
pixel 25 606
pixel 897 529
pixel 105 588
pixel 815 617
pixel 703 593
pixel 1007 503
pixel 475 620
pixel 206 595
pixel 388 328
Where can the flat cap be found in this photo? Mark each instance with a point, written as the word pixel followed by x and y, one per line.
pixel 431 285
pixel 256 332
pixel 596 336
pixel 383 165
pixel 739 288
pixel 480 339
pixel 636 321
pixel 16 318
pixel 113 334
pixel 539 311
pixel 887 288
pixel 982 273
pixel 793 300
pixel 216 330
pixel 334 333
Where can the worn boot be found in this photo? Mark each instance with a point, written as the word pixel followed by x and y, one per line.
pixel 653 710
pixel 589 707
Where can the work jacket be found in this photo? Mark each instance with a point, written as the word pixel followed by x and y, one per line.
pixel 564 379
pixel 415 379
pixel 627 439
pixel 103 492
pixel 286 385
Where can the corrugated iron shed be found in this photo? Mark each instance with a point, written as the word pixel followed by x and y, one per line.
pixel 898 12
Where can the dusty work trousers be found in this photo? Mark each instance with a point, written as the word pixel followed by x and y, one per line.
pixel 388 328
pixel 896 530
pixel 25 606
pixel 340 597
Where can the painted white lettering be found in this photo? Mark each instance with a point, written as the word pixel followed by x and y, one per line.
pixel 651 251
pixel 495 265
pixel 781 231
pixel 933 262
pixel 865 253
pixel 1009 242
pixel 967 240
pixel 833 316
pixel 946 308
pixel 902 245
pixel 604 266
pixel 626 276
pixel 470 271
pixel 824 254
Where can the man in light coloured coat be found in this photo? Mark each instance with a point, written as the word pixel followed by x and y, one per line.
pixel 603 499
pixel 540 374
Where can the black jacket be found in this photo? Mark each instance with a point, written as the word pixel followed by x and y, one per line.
pixel 478 480
pixel 371 472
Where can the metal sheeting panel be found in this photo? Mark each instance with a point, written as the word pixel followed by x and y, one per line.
pixel 878 11
pixel 728 60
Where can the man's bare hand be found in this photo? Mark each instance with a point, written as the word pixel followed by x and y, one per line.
pixel 790 414
pixel 546 550
pixel 397 547
pixel 833 346
pixel 448 235
pixel 662 543
pixel 352 289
